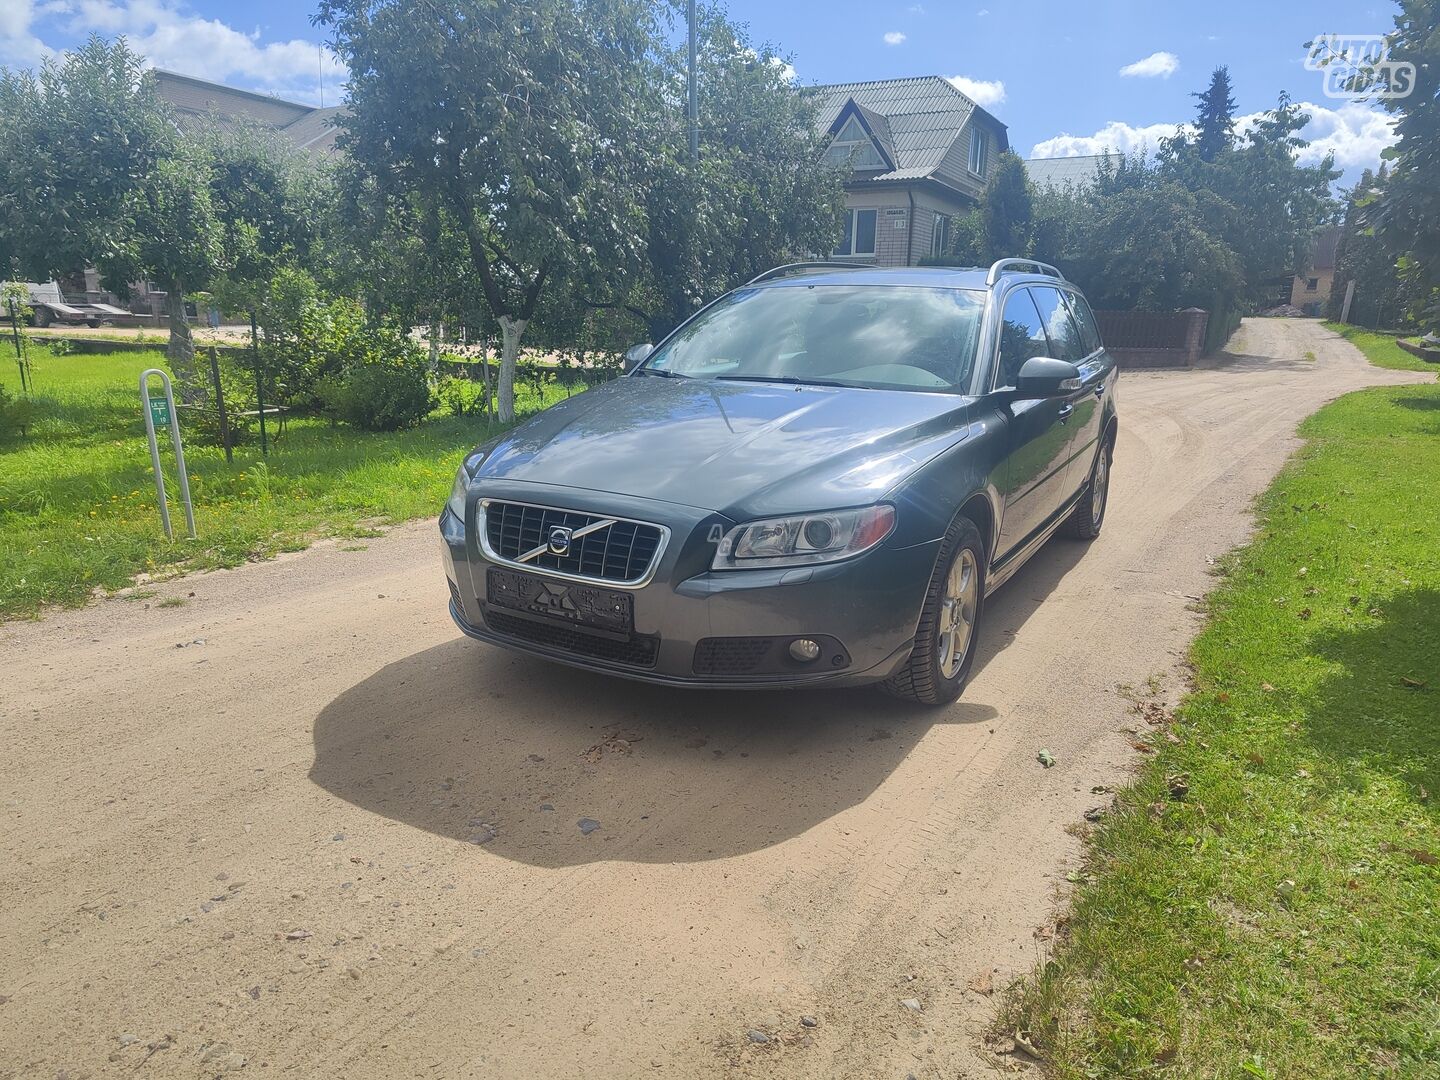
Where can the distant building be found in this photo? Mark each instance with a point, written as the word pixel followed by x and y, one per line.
pixel 1056 173
pixel 1310 290
pixel 919 151
pixel 196 101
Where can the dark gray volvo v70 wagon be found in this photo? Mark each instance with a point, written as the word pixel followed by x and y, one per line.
pixel 814 481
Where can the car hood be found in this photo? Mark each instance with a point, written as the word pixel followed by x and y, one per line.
pixel 742 449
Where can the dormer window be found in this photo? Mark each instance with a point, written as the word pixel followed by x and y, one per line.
pixel 853 146
pixel 979 148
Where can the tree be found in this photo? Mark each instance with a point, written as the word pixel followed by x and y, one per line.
pixel 1406 215
pixel 1006 210
pixel 78 142
pixel 1215 116
pixel 529 126
pixel 761 193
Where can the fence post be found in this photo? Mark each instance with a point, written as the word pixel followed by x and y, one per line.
pixel 259 380
pixel 220 405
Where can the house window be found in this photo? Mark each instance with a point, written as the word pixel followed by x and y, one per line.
pixel 859 236
pixel 940 238
pixel 1312 284
pixel 852 147
pixel 978 151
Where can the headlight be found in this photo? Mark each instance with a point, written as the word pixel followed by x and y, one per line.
pixel 804 539
pixel 458 490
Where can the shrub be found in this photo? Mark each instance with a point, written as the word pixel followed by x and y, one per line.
pixel 461 397
pixel 385 385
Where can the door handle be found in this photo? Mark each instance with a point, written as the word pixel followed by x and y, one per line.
pixel 1065 411
pixel 1100 390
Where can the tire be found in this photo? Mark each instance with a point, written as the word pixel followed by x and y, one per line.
pixel 1086 520
pixel 94 324
pixel 41 317
pixel 932 676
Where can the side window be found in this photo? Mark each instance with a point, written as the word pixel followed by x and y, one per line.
pixel 1085 319
pixel 1065 341
pixel 1022 335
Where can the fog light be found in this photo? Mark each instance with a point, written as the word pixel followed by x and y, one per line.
pixel 805 650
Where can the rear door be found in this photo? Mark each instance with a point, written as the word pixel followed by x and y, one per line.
pixel 1032 475
pixel 1069 341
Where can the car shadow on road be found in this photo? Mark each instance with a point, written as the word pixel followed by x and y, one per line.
pixel 510 753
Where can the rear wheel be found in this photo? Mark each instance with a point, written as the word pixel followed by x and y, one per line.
pixel 41 317
pixel 949 627
pixel 1089 514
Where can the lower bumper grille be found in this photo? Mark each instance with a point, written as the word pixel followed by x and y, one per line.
pixel 731 656
pixel 637 650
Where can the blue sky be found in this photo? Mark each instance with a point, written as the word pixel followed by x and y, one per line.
pixel 1066 77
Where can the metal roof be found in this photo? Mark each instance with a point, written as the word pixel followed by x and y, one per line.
pixel 1059 171
pixel 924 116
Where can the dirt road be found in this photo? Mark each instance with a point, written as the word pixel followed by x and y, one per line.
pixel 297 823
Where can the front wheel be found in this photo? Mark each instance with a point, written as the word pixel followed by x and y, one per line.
pixel 41 317
pixel 948 633
pixel 1089 514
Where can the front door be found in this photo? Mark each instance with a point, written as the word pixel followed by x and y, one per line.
pixel 1032 476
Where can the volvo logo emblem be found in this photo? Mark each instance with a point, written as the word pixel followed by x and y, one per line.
pixel 559 540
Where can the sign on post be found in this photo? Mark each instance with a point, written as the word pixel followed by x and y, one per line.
pixel 161 411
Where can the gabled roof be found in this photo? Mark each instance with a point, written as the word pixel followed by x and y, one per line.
pixel 1324 247
pixel 1059 171
pixel 924 116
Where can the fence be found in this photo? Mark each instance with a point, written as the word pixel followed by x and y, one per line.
pixel 1154 338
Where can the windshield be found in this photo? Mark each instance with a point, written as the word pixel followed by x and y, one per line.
pixel 878 336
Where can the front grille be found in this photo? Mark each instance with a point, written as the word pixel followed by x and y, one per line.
pixel 731 655
pixel 637 650
pixel 622 551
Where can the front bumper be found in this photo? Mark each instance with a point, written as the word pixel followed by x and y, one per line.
pixel 868 606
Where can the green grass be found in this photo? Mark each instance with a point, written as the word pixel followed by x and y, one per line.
pixel 1380 348
pixel 1281 917
pixel 77 498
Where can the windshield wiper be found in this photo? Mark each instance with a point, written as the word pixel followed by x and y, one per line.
pixel 662 373
pixel 793 380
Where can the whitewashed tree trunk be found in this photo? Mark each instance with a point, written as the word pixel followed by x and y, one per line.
pixel 511 329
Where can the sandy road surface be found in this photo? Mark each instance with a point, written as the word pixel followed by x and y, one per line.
pixel 258 850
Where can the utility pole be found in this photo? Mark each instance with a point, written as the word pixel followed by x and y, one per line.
pixel 694 98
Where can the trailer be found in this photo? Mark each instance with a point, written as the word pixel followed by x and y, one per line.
pixel 48 305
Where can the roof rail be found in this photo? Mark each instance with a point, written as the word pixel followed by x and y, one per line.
pixel 802 267
pixel 1000 265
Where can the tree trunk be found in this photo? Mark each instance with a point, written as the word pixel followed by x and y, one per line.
pixel 180 352
pixel 510 330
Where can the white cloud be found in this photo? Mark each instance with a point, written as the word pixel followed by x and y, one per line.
pixel 1162 64
pixel 1115 137
pixel 894 37
pixel 1354 132
pixel 982 12
pixel 19 47
pixel 984 94
pixel 787 69
pixel 170 35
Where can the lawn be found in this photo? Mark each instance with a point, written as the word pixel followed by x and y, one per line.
pixel 1380 348
pixel 1264 901
pixel 77 497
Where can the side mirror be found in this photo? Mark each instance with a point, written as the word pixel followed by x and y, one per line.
pixel 636 354
pixel 1042 377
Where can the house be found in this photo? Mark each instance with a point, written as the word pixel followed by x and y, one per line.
pixel 196 101
pixel 919 153
pixel 1061 172
pixel 1311 290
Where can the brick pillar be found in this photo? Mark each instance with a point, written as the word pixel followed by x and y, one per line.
pixel 1196 318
